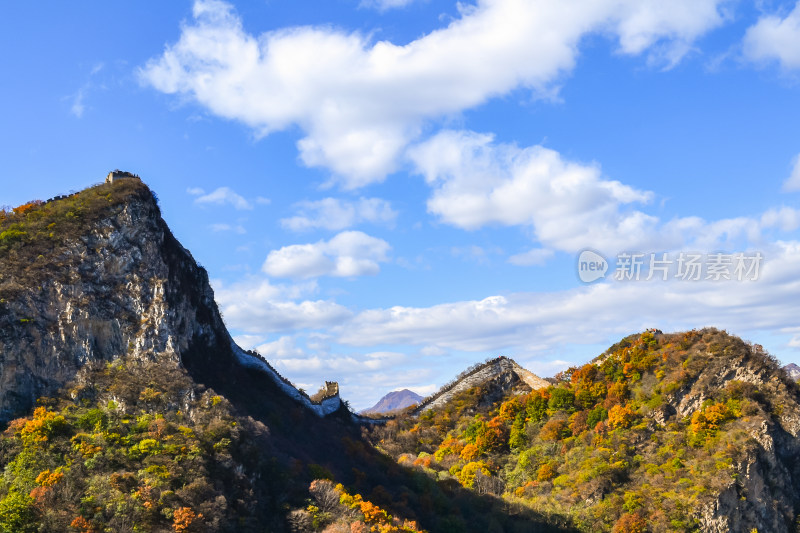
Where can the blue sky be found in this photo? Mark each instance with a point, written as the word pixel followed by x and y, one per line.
pixel 385 192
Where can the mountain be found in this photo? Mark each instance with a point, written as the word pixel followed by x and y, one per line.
pixel 499 377
pixel 126 406
pixel 793 371
pixel 695 431
pixel 394 401
pixel 97 275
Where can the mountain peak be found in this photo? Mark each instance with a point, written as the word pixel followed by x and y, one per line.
pixel 793 371
pixel 505 373
pixel 97 275
pixel 394 401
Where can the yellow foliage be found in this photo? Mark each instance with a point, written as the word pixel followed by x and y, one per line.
pixel 620 416
pixel 48 479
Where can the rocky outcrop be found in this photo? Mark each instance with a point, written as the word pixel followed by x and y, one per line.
pixel 124 287
pixel 767 476
pixel 512 378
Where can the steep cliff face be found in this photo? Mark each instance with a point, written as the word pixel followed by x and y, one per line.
pixel 115 284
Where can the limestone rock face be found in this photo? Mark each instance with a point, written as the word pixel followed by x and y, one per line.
pixel 125 287
pixel 122 287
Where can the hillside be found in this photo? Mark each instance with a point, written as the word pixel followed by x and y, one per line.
pixel 695 431
pixel 127 407
pixel 394 401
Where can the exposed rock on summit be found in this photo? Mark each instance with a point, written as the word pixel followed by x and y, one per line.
pixel 506 376
pixel 98 275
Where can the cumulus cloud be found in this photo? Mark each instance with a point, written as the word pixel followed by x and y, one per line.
pixel 792 183
pixel 220 196
pixel 337 214
pixel 569 206
pixel 773 38
pixel 476 183
pixel 348 254
pixel 359 102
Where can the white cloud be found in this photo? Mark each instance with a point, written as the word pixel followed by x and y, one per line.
pixel 78 107
pixel 792 183
pixel 568 205
pixel 259 307
pixel 532 323
pixel 786 219
pixel 384 5
pixel 219 228
pixel 360 102
pixel 337 214
pixel 476 183
pixel 78 99
pixel 282 348
pixel 535 257
pixel 221 196
pixel 248 342
pixel 348 254
pixel 773 38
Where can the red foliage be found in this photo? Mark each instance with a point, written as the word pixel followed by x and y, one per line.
pixel 630 523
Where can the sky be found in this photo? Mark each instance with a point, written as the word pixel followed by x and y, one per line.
pixel 385 192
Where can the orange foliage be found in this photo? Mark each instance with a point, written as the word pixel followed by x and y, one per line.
pixel 470 452
pixel 495 436
pixel 26 208
pixel 546 472
pixel 183 518
pixel 83 525
pixel 424 462
pixel 38 494
pixel 630 523
pixel 554 430
pixel 39 429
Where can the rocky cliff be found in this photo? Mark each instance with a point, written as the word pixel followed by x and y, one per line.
pixel 766 488
pixel 96 276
